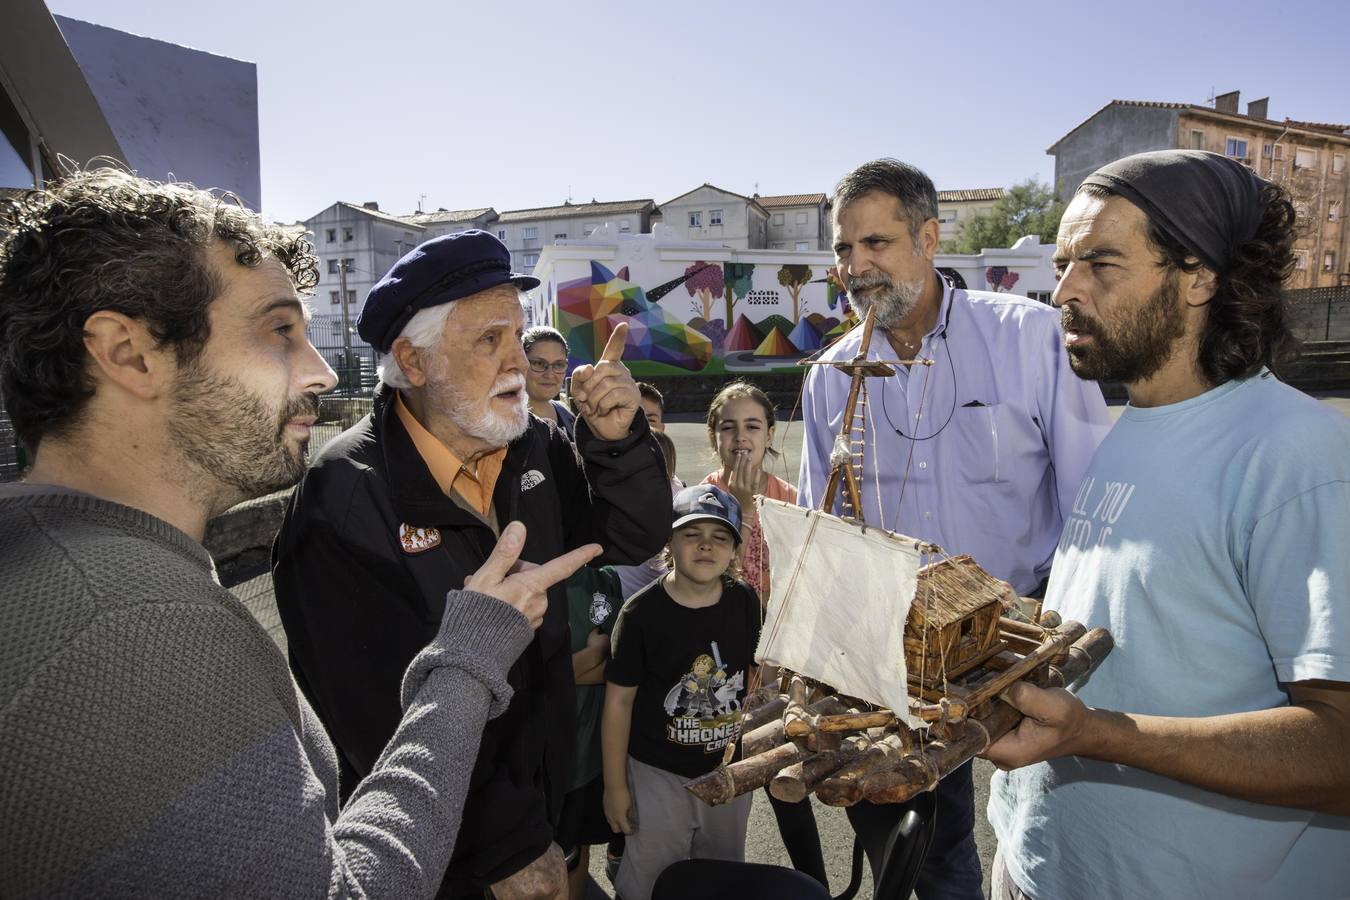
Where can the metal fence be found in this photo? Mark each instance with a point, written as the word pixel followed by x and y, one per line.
pixel 1320 314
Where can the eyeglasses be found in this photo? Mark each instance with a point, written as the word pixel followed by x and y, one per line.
pixel 541 366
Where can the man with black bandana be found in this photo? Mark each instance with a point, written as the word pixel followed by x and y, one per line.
pixel 1209 535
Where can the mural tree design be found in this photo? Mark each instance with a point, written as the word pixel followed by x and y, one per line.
pixel 1008 280
pixel 794 278
pixel 1001 278
pixel 704 280
pixel 736 277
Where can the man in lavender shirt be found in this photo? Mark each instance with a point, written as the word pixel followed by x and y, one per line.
pixel 980 452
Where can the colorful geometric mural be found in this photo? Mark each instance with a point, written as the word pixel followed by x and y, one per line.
pixel 589 308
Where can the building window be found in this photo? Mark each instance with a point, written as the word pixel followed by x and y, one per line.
pixel 347 234
pixel 778 218
pixel 1305 158
pixel 801 218
pixel 946 216
pixel 1302 211
pixel 560 236
pixel 349 264
pixel 696 220
pixel 1267 149
pixel 1338 163
pixel 1301 260
pixel 1236 148
pixel 624 227
pixel 1040 296
pixel 530 260
pixel 1329 261
pixel 529 233
pixel 802 245
pixel 714 217
pixel 333 297
pixel 1197 139
pixel 1334 211
pixel 332 267
pixel 330 235
pixel 501 235
pixel 1279 151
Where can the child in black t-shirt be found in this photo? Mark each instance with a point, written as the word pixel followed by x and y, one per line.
pixel 683 649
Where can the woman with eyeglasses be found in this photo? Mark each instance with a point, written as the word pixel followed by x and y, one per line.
pixel 546 350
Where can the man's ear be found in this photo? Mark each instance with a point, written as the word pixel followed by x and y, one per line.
pixel 929 238
pixel 1199 286
pixel 411 360
pixel 126 354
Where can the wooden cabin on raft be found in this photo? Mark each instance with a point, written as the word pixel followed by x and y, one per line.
pixel 953 622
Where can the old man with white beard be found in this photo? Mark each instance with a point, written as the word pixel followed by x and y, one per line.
pixel 406 504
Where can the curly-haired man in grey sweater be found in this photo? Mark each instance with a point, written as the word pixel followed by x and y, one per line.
pixel 154 362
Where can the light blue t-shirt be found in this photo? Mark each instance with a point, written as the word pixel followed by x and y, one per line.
pixel 1212 537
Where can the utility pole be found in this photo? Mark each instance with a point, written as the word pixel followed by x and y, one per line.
pixel 346 325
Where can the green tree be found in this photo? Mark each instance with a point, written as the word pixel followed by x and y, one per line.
pixel 793 278
pixel 1025 208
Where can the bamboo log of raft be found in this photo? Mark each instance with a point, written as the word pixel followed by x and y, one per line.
pixel 765 754
pixel 902 779
pixel 798 780
pixel 845 787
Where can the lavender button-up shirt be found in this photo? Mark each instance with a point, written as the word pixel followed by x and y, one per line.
pixel 997 434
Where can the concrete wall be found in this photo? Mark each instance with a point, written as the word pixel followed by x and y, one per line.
pixel 375 245
pixel 785 230
pixel 743 226
pixel 1114 132
pixel 175 111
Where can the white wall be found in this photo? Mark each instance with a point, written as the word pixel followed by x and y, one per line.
pixel 175 111
pixel 742 227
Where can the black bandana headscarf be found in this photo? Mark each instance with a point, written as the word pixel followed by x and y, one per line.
pixel 1208 203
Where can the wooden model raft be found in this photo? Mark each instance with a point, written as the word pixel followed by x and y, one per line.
pixel 892 671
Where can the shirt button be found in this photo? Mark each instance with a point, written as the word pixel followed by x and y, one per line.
pixel 923 465
pixel 928 515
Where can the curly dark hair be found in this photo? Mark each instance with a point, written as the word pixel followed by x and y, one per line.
pixel 1247 325
pixel 104 239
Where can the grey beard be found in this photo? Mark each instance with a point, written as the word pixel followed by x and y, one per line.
pixel 893 302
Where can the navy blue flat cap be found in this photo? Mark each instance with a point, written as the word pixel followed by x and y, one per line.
pixel 439 271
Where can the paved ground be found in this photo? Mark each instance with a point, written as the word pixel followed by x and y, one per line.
pixel 694 460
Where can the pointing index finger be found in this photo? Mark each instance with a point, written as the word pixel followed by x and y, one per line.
pixel 613 351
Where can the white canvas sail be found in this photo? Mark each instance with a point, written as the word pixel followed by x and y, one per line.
pixel 840 596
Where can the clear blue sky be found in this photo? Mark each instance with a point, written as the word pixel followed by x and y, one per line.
pixel 508 103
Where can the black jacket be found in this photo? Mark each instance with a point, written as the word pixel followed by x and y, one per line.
pixel 358 603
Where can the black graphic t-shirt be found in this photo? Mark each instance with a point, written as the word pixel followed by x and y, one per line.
pixel 690 667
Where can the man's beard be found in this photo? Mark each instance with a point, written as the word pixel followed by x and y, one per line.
pixel 474 416
pixel 1136 345
pixel 893 300
pixel 227 432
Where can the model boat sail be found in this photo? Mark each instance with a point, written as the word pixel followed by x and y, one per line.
pixel 839 600
pixel 893 655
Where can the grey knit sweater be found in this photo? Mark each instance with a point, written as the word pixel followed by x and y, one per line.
pixel 153 743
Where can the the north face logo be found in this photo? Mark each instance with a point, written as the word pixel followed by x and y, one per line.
pixel 418 540
pixel 531 479
pixel 710 499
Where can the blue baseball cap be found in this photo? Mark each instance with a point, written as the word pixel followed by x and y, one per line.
pixel 441 270
pixel 706 502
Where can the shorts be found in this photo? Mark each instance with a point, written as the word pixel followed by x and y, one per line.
pixel 583 817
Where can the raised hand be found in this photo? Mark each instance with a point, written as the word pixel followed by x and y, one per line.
pixel 745 478
pixel 606 394
pixel 525 585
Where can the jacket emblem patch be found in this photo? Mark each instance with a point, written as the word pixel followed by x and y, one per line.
pixel 531 479
pixel 418 540
pixel 600 608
